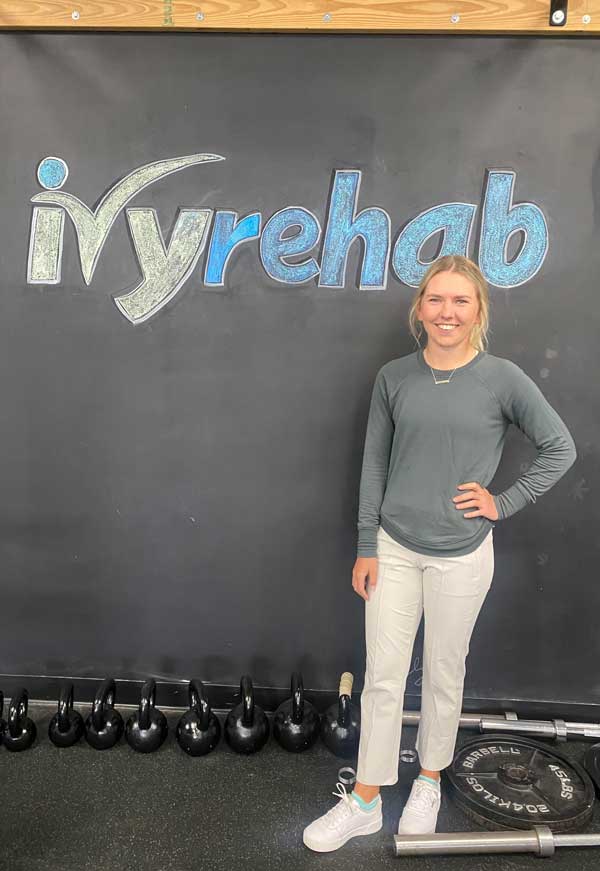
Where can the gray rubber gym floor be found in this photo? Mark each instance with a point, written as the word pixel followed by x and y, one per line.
pixel 78 808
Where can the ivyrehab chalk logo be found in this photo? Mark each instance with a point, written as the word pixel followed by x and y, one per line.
pixel 165 268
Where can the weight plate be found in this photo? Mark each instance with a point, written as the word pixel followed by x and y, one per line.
pixel 592 764
pixel 408 756
pixel 516 783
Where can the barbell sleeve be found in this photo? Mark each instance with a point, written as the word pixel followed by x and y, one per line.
pixel 539 840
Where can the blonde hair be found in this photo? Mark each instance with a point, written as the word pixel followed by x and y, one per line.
pixel 456 263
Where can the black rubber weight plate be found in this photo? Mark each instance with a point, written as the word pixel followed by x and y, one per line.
pixel 592 764
pixel 515 783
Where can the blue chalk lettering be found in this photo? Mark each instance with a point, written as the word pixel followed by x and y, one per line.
pixel 273 248
pixel 454 220
pixel 500 221
pixel 227 234
pixel 372 225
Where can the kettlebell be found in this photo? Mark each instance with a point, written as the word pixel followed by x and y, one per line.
pixel 246 727
pixel 104 725
pixel 20 731
pixel 2 723
pixel 66 726
pixel 146 730
pixel 296 722
pixel 340 725
pixel 199 730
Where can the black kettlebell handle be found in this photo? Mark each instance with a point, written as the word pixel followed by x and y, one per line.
pixel 105 698
pixel 199 703
pixel 147 703
pixel 297 698
pixel 65 707
pixel 247 700
pixel 17 712
pixel 344 711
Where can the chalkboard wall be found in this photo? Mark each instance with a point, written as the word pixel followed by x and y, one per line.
pixel 179 495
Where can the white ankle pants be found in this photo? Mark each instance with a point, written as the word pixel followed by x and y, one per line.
pixel 450 592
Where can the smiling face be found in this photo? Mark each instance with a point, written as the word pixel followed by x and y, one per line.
pixel 449 298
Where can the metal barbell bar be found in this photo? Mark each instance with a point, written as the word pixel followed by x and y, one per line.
pixel 540 840
pixel 557 729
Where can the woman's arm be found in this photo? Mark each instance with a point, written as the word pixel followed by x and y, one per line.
pixel 525 405
pixel 376 457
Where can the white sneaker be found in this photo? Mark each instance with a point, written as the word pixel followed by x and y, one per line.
pixel 420 813
pixel 344 821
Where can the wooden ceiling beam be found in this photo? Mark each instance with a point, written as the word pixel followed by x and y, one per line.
pixel 301 16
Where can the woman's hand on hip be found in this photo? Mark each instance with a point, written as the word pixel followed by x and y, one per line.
pixel 364 572
pixel 478 497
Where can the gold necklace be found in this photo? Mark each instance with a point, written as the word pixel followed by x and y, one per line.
pixel 447 380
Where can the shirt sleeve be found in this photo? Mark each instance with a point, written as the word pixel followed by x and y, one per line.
pixel 376 458
pixel 526 406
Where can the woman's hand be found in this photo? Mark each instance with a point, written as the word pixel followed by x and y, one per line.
pixel 364 571
pixel 476 497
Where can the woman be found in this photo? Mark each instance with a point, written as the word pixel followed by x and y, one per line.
pixel 436 429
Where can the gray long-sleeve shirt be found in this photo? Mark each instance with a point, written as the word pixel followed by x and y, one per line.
pixel 424 439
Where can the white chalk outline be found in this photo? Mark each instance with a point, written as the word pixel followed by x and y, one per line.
pixel 183 279
pixel 32 237
pixel 44 197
